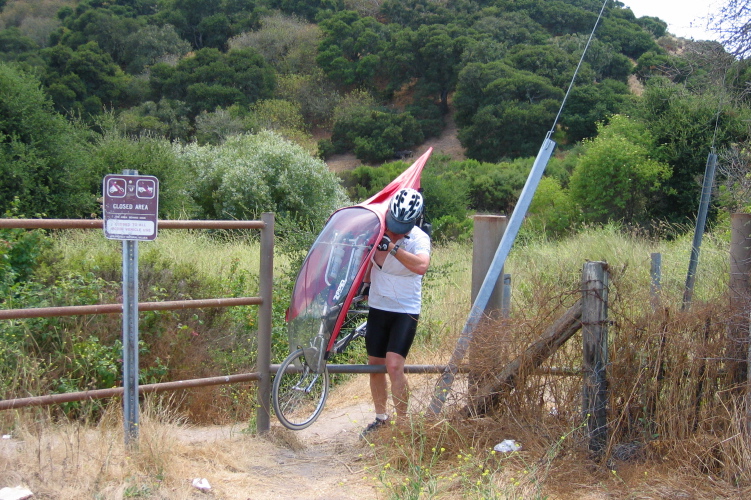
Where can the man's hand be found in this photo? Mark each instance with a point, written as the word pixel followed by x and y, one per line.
pixel 364 290
pixel 384 244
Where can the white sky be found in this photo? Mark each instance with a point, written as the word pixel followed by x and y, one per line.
pixel 685 18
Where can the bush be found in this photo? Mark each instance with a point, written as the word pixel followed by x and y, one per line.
pixel 251 174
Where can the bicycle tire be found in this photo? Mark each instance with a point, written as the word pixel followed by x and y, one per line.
pixel 298 395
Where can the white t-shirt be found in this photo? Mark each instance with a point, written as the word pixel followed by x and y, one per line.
pixel 395 288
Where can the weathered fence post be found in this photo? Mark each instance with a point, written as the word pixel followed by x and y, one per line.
pixel 506 302
pixel 748 387
pixel 488 231
pixel 595 352
pixel 487 236
pixel 740 291
pixel 266 283
pixel 655 272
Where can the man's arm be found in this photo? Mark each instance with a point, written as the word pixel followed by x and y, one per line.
pixel 418 263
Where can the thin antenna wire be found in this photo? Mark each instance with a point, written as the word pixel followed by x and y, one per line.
pixel 581 59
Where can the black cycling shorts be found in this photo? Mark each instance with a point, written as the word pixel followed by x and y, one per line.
pixel 389 332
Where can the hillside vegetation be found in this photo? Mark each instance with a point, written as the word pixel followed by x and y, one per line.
pixel 88 85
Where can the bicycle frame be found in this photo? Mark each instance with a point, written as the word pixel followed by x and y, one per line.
pixel 328 280
pixel 334 267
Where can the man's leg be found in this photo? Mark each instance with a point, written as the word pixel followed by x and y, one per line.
pixel 399 385
pixel 378 388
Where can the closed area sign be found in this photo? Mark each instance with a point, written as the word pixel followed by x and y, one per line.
pixel 131 205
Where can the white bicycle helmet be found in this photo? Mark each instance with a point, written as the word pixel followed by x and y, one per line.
pixel 405 208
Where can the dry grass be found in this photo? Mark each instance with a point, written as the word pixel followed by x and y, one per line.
pixel 676 413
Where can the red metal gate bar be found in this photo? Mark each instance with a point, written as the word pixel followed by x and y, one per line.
pixel 68 397
pixel 99 223
pixel 46 312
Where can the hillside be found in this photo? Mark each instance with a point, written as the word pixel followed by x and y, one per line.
pixel 446 143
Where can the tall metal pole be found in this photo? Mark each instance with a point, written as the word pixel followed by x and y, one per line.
pixel 701 221
pixel 491 278
pixel 130 337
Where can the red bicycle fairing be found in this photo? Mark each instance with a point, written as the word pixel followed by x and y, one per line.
pixel 335 265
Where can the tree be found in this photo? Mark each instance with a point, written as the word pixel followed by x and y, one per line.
pixel 93 22
pixel 510 28
pixel 432 55
pixel 626 36
pixel 552 211
pixel 151 44
pixel 309 9
pixel 495 188
pixel 288 43
pixel 686 126
pixel 316 95
pixel 734 26
pixel 166 118
pixel 352 48
pixel 41 154
pixel 375 135
pixel 211 78
pixel 13 44
pixel 503 112
pixel 216 126
pixel 615 176
pixel 84 80
pixel 589 104
pixel 601 57
pixel 112 152
pixel 548 61
pixel 561 18
pixel 207 23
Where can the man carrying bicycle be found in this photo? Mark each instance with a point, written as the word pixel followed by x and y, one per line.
pixel 395 297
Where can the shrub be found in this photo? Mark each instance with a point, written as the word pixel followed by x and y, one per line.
pixel 374 135
pixel 251 174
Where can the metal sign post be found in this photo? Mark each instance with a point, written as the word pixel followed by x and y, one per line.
pixel 131 205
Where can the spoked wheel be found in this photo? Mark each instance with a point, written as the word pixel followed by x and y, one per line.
pixel 298 393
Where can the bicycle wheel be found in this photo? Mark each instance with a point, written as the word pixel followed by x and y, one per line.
pixel 298 393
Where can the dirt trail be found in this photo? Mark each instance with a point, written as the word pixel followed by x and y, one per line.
pixel 326 461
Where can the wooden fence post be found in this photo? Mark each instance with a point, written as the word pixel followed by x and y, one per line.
pixel 655 289
pixel 487 236
pixel 740 292
pixel 488 231
pixel 595 353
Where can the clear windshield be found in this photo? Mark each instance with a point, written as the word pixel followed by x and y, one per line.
pixel 324 286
